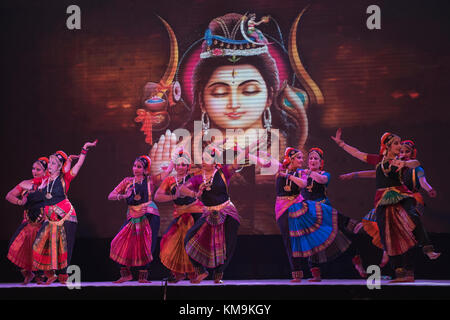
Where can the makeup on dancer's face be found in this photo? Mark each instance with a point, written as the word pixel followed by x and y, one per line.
pixel 314 161
pixel 138 168
pixel 235 96
pixel 54 165
pixel 208 163
pixel 405 153
pixel 181 167
pixel 395 146
pixel 37 170
pixel 298 160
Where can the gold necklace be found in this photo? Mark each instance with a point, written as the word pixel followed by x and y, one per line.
pixel 385 171
pixel 48 195
pixel 288 185
pixel 208 182
pixel 137 197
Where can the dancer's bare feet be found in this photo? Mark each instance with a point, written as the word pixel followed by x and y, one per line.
pixel 125 275
pixel 28 277
pixel 297 276
pixel 357 263
pixel 433 255
pixel 403 275
pixel 200 277
pixel 316 275
pixel 176 277
pixel 384 260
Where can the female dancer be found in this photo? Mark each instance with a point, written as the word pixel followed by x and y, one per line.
pixel 187 210
pixel 52 250
pixel 315 190
pixel 309 228
pixel 398 222
pixel 288 193
pixel 210 243
pixel 136 241
pixel 413 179
pixel 28 195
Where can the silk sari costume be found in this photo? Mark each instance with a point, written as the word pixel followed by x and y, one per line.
pixel 135 242
pixel 410 179
pixel 52 249
pixel 396 216
pixel 286 198
pixel 210 243
pixel 315 191
pixel 21 244
pixel 187 211
pixel 313 228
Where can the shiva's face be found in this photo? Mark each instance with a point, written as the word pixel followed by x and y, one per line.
pixel 236 97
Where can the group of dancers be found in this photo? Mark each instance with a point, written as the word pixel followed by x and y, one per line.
pixel 202 236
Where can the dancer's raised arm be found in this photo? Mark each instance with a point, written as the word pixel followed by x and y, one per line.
pixel 349 149
pixel 76 168
pixel 358 174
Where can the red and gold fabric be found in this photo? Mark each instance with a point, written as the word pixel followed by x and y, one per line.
pixel 399 227
pixel 132 246
pixel 372 230
pixel 208 246
pixel 173 254
pixel 21 249
pixel 391 195
pixel 282 203
pixel 50 246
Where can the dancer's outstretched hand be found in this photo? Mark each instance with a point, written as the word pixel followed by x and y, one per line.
pixel 88 145
pixel 337 137
pixel 432 193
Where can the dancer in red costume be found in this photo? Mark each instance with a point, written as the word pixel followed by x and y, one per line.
pixel 52 250
pixel 211 241
pixel 395 207
pixel 414 179
pixel 28 195
pixel 136 241
pixel 187 210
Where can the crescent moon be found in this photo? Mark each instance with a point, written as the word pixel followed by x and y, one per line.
pixel 311 87
pixel 243 32
pixel 169 74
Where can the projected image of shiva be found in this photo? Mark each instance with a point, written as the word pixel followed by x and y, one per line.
pixel 236 85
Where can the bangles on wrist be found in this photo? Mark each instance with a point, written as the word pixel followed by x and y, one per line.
pixel 84 151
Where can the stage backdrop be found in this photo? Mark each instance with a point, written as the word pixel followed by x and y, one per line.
pixel 62 87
